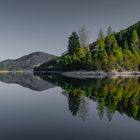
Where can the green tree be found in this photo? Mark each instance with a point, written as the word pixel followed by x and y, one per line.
pixel 119 57
pixel 73 44
pixel 111 43
pixel 89 57
pixel 125 46
pixel 103 56
pixel 129 61
pixel 134 41
pixel 101 40
pixel 112 62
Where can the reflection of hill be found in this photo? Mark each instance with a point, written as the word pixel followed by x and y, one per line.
pixel 111 95
pixel 27 80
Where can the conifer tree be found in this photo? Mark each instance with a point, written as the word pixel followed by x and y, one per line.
pixel 134 41
pixel 89 57
pixel 125 46
pixel 101 40
pixel 111 43
pixel 73 44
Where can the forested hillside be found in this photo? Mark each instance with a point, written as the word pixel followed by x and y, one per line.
pixel 111 52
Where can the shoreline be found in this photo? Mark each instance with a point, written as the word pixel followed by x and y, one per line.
pixel 100 74
pixel 84 74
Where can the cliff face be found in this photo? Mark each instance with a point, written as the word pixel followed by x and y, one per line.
pixel 27 62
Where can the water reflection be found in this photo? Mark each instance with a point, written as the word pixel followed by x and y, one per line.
pixel 27 80
pixel 110 94
pixel 70 110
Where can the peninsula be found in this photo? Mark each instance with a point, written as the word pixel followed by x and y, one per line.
pixel 113 53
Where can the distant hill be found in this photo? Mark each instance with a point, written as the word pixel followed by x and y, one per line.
pixel 27 62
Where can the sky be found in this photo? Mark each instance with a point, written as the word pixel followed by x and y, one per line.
pixel 28 26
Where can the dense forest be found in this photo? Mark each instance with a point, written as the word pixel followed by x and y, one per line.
pixel 111 52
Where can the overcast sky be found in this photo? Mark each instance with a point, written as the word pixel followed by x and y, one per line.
pixel 45 25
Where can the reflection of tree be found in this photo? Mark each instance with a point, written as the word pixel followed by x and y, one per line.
pixel 121 94
pixel 84 109
pixel 74 100
pixel 109 114
pixel 100 108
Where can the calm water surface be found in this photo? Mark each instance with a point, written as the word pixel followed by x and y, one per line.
pixel 57 108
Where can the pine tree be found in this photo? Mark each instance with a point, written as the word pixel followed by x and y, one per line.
pixel 125 46
pixel 101 40
pixel 89 57
pixel 134 41
pixel 73 44
pixel 111 43
pixel 103 56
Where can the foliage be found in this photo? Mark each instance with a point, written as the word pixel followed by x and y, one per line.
pixel 73 44
pixel 134 41
pixel 116 51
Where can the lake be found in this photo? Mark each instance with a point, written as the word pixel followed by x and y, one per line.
pixel 51 107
